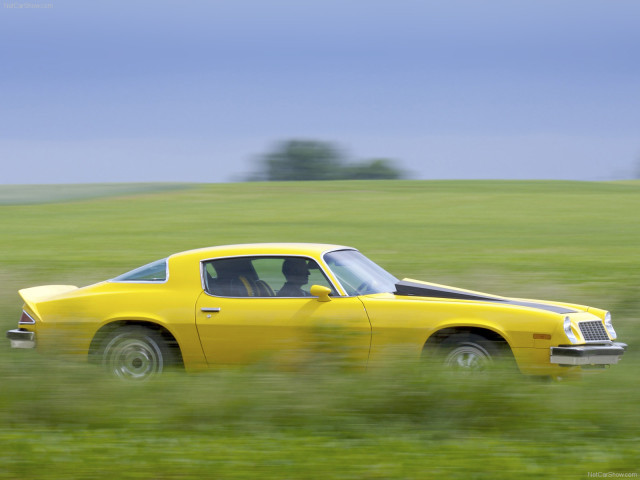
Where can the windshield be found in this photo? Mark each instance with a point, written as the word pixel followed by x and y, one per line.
pixel 358 275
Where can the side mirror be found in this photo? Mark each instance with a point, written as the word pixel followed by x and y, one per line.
pixel 321 292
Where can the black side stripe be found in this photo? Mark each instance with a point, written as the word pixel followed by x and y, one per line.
pixel 418 290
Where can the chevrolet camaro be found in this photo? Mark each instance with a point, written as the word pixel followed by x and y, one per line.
pixel 238 304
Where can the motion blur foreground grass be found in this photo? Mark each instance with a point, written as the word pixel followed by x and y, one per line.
pixel 558 240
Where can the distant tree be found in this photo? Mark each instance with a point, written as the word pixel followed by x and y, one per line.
pixel 302 160
pixel 376 169
pixel 314 160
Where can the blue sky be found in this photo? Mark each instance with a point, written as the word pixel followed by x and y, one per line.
pixel 197 90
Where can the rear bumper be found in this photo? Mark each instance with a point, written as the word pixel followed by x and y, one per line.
pixel 588 354
pixel 21 338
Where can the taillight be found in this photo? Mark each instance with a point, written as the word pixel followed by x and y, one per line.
pixel 26 319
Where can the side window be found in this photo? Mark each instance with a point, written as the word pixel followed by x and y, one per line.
pixel 263 277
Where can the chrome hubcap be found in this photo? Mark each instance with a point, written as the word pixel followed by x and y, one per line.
pixel 468 358
pixel 133 358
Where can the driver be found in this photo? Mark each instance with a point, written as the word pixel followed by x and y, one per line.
pixel 296 272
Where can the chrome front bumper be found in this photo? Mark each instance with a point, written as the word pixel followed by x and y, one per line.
pixel 605 354
pixel 21 338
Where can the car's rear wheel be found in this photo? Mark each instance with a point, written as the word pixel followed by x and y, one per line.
pixel 468 353
pixel 136 353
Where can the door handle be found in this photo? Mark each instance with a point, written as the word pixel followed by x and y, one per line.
pixel 217 309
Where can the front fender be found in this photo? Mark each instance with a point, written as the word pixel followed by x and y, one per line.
pixel 471 323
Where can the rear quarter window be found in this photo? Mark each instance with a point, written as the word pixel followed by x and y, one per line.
pixel 152 272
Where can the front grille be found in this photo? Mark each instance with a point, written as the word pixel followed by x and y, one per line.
pixel 593 331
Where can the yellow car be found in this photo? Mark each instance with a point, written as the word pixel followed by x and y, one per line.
pixel 240 303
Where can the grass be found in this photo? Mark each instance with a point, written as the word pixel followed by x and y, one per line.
pixel 570 241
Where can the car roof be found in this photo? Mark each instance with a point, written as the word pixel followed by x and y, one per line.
pixel 305 249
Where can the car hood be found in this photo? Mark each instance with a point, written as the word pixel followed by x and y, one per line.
pixel 415 288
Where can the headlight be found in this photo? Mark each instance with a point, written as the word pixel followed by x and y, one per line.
pixel 609 325
pixel 568 331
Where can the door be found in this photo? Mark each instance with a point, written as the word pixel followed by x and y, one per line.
pixel 259 309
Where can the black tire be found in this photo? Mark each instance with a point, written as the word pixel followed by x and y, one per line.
pixel 136 353
pixel 467 352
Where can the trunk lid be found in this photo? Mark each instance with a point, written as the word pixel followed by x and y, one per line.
pixel 34 295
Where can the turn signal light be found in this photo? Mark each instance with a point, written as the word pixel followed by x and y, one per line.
pixel 541 336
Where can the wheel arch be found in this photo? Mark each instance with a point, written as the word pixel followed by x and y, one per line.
pixel 439 336
pixel 104 332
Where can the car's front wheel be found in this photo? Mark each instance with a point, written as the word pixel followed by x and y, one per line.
pixel 468 353
pixel 136 353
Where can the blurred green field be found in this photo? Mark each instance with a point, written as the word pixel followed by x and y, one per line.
pixel 571 241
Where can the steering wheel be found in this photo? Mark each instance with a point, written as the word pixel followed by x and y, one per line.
pixel 364 285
